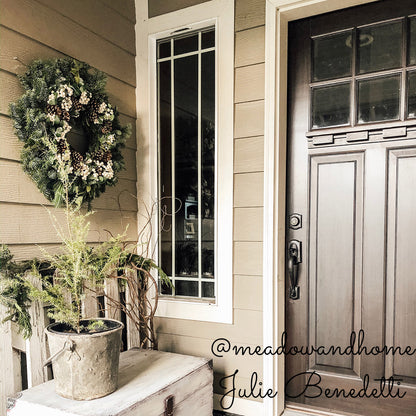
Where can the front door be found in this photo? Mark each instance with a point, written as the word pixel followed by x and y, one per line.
pixel 351 205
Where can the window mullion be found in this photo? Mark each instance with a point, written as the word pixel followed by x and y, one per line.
pixel 199 170
pixel 172 92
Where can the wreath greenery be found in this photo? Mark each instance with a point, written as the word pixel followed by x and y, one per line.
pixel 62 94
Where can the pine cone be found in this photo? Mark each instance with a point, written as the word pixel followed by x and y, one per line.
pixel 53 109
pixel 50 109
pixel 94 106
pixel 98 155
pixel 62 146
pixel 66 116
pixel 76 104
pixel 107 128
pixel 77 159
pixel 99 170
pixel 106 157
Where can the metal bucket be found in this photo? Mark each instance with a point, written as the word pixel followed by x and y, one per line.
pixel 85 365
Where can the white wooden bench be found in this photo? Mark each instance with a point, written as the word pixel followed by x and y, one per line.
pixel 151 383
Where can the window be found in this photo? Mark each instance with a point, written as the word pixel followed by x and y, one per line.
pixel 360 75
pixel 186 132
pixel 185 79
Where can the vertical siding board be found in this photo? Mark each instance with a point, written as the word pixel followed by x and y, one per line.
pixel 36 346
pixel 112 297
pixel 7 370
pixel 133 335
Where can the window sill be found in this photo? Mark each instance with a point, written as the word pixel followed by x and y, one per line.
pixel 194 309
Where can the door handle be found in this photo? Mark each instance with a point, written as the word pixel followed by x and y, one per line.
pixel 294 258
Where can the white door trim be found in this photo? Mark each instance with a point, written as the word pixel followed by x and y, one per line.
pixel 278 14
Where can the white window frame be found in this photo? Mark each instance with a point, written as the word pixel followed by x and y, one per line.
pixel 218 13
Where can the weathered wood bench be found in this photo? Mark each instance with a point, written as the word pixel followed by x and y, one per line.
pixel 151 383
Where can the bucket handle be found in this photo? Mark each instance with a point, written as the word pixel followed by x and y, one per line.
pixel 69 345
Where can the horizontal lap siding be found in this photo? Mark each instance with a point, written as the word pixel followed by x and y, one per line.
pixel 195 338
pixel 102 34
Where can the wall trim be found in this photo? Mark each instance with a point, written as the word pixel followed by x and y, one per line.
pixel 278 14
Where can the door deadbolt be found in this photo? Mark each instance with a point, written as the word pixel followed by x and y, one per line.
pixel 295 221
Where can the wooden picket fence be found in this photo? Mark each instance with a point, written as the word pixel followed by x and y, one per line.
pixel 22 361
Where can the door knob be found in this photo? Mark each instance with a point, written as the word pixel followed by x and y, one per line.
pixel 294 258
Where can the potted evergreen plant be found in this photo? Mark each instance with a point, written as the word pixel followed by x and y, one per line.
pixel 84 350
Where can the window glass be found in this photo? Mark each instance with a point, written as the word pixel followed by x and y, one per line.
pixel 411 94
pixel 412 41
pixel 163 49
pixel 332 56
pixel 379 47
pixel 331 105
pixel 379 99
pixel 186 44
pixel 187 168
pixel 208 39
pixel 208 162
pixel 186 165
pixel 165 169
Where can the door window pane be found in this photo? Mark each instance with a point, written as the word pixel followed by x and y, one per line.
pixel 332 56
pixel 412 41
pixel 379 99
pixel 331 105
pixel 411 98
pixel 379 47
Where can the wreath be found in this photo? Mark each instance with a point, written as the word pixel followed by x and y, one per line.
pixel 63 95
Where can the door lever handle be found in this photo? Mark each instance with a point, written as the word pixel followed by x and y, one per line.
pixel 294 258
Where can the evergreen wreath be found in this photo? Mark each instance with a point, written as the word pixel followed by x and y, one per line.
pixel 61 94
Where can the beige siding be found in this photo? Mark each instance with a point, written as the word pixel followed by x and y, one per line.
pixel 249 155
pixel 92 31
pixel 158 7
pixel 99 33
pixel 195 338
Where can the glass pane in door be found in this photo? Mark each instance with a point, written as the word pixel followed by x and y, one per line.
pixel 411 94
pixel 331 105
pixel 379 47
pixel 332 56
pixel 379 99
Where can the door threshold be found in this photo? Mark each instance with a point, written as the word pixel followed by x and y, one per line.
pixel 296 410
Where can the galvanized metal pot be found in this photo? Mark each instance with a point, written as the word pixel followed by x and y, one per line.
pixel 85 365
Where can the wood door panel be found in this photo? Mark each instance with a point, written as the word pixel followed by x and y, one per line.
pixel 355 187
pixel 335 254
pixel 401 304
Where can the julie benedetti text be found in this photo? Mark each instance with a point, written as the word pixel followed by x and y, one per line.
pixel 386 387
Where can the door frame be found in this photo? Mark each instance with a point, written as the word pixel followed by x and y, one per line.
pixel 278 14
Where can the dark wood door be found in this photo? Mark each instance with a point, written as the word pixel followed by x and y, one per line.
pixel 351 205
